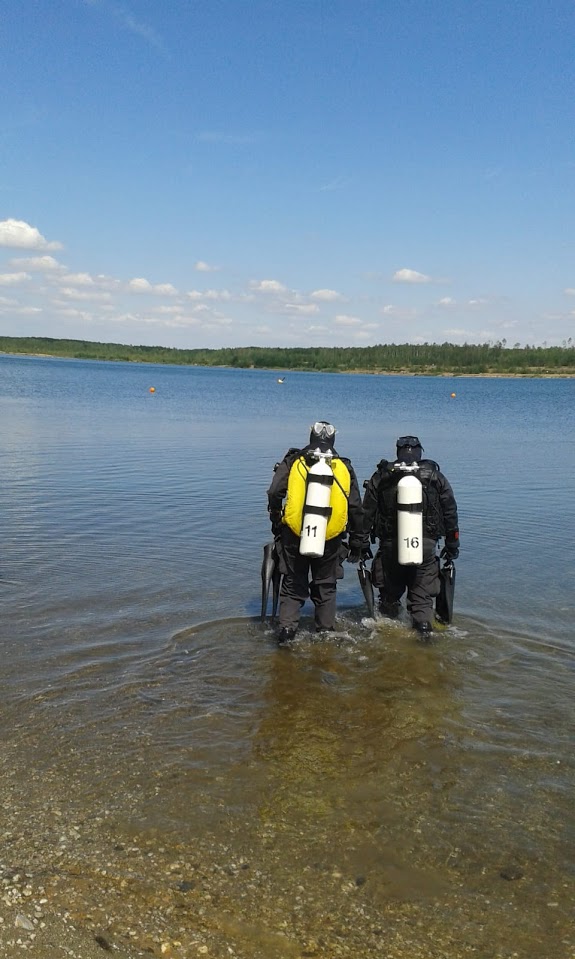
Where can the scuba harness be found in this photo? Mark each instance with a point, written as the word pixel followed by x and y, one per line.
pixel 316 505
pixel 388 478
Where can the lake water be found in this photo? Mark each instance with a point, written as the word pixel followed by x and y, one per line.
pixel 171 777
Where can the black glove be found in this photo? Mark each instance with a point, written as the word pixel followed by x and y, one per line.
pixel 356 551
pixel 451 548
pixel 276 521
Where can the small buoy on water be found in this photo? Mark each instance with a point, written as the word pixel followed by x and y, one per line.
pixel 281 379
pixel 453 395
pixel 152 389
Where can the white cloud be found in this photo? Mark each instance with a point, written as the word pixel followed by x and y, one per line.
pixel 73 313
pixel 478 301
pixel 41 264
pixel 201 317
pixel 301 309
pixel 410 276
pixel 219 320
pixel 106 282
pixel 181 322
pixel 129 318
pixel 73 293
pixel 19 235
pixel 78 279
pixel 27 310
pixel 342 319
pixel 570 291
pixel 202 267
pixel 218 295
pixel 327 296
pixel 268 286
pixel 398 312
pixel 446 301
pixel 209 295
pixel 13 279
pixel 141 285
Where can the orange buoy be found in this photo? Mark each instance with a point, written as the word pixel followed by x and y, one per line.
pixel 454 395
pixel 152 389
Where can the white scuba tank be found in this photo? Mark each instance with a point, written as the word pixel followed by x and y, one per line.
pixel 409 521
pixel 316 511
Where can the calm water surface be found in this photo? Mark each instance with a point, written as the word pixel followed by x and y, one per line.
pixel 434 783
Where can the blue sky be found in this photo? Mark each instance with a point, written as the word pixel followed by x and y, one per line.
pixel 217 173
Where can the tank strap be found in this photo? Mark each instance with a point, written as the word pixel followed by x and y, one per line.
pixel 322 480
pixel 410 507
pixel 318 510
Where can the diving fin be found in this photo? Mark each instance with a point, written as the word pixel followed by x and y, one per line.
pixel 276 581
pixel 364 575
pixel 444 601
pixel 269 569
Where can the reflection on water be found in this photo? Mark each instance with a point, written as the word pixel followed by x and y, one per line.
pixel 161 758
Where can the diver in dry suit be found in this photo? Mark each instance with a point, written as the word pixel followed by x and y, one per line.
pixel 380 522
pixel 304 576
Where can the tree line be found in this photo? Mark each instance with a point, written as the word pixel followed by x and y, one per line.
pixel 424 358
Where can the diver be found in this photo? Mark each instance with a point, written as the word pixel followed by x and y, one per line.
pixel 394 570
pixel 322 503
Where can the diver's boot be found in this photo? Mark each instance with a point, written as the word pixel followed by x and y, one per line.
pixel 286 634
pixel 425 631
pixel 392 610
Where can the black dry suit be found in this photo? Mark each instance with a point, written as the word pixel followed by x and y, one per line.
pixel 297 569
pixel 380 501
pixel 380 522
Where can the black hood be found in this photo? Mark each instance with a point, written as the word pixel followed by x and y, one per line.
pixel 409 449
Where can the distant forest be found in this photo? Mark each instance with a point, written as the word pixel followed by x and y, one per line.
pixel 431 359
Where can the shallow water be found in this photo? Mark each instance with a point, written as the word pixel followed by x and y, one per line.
pixel 362 796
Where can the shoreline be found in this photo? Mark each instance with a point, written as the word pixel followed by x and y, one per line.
pixel 454 374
